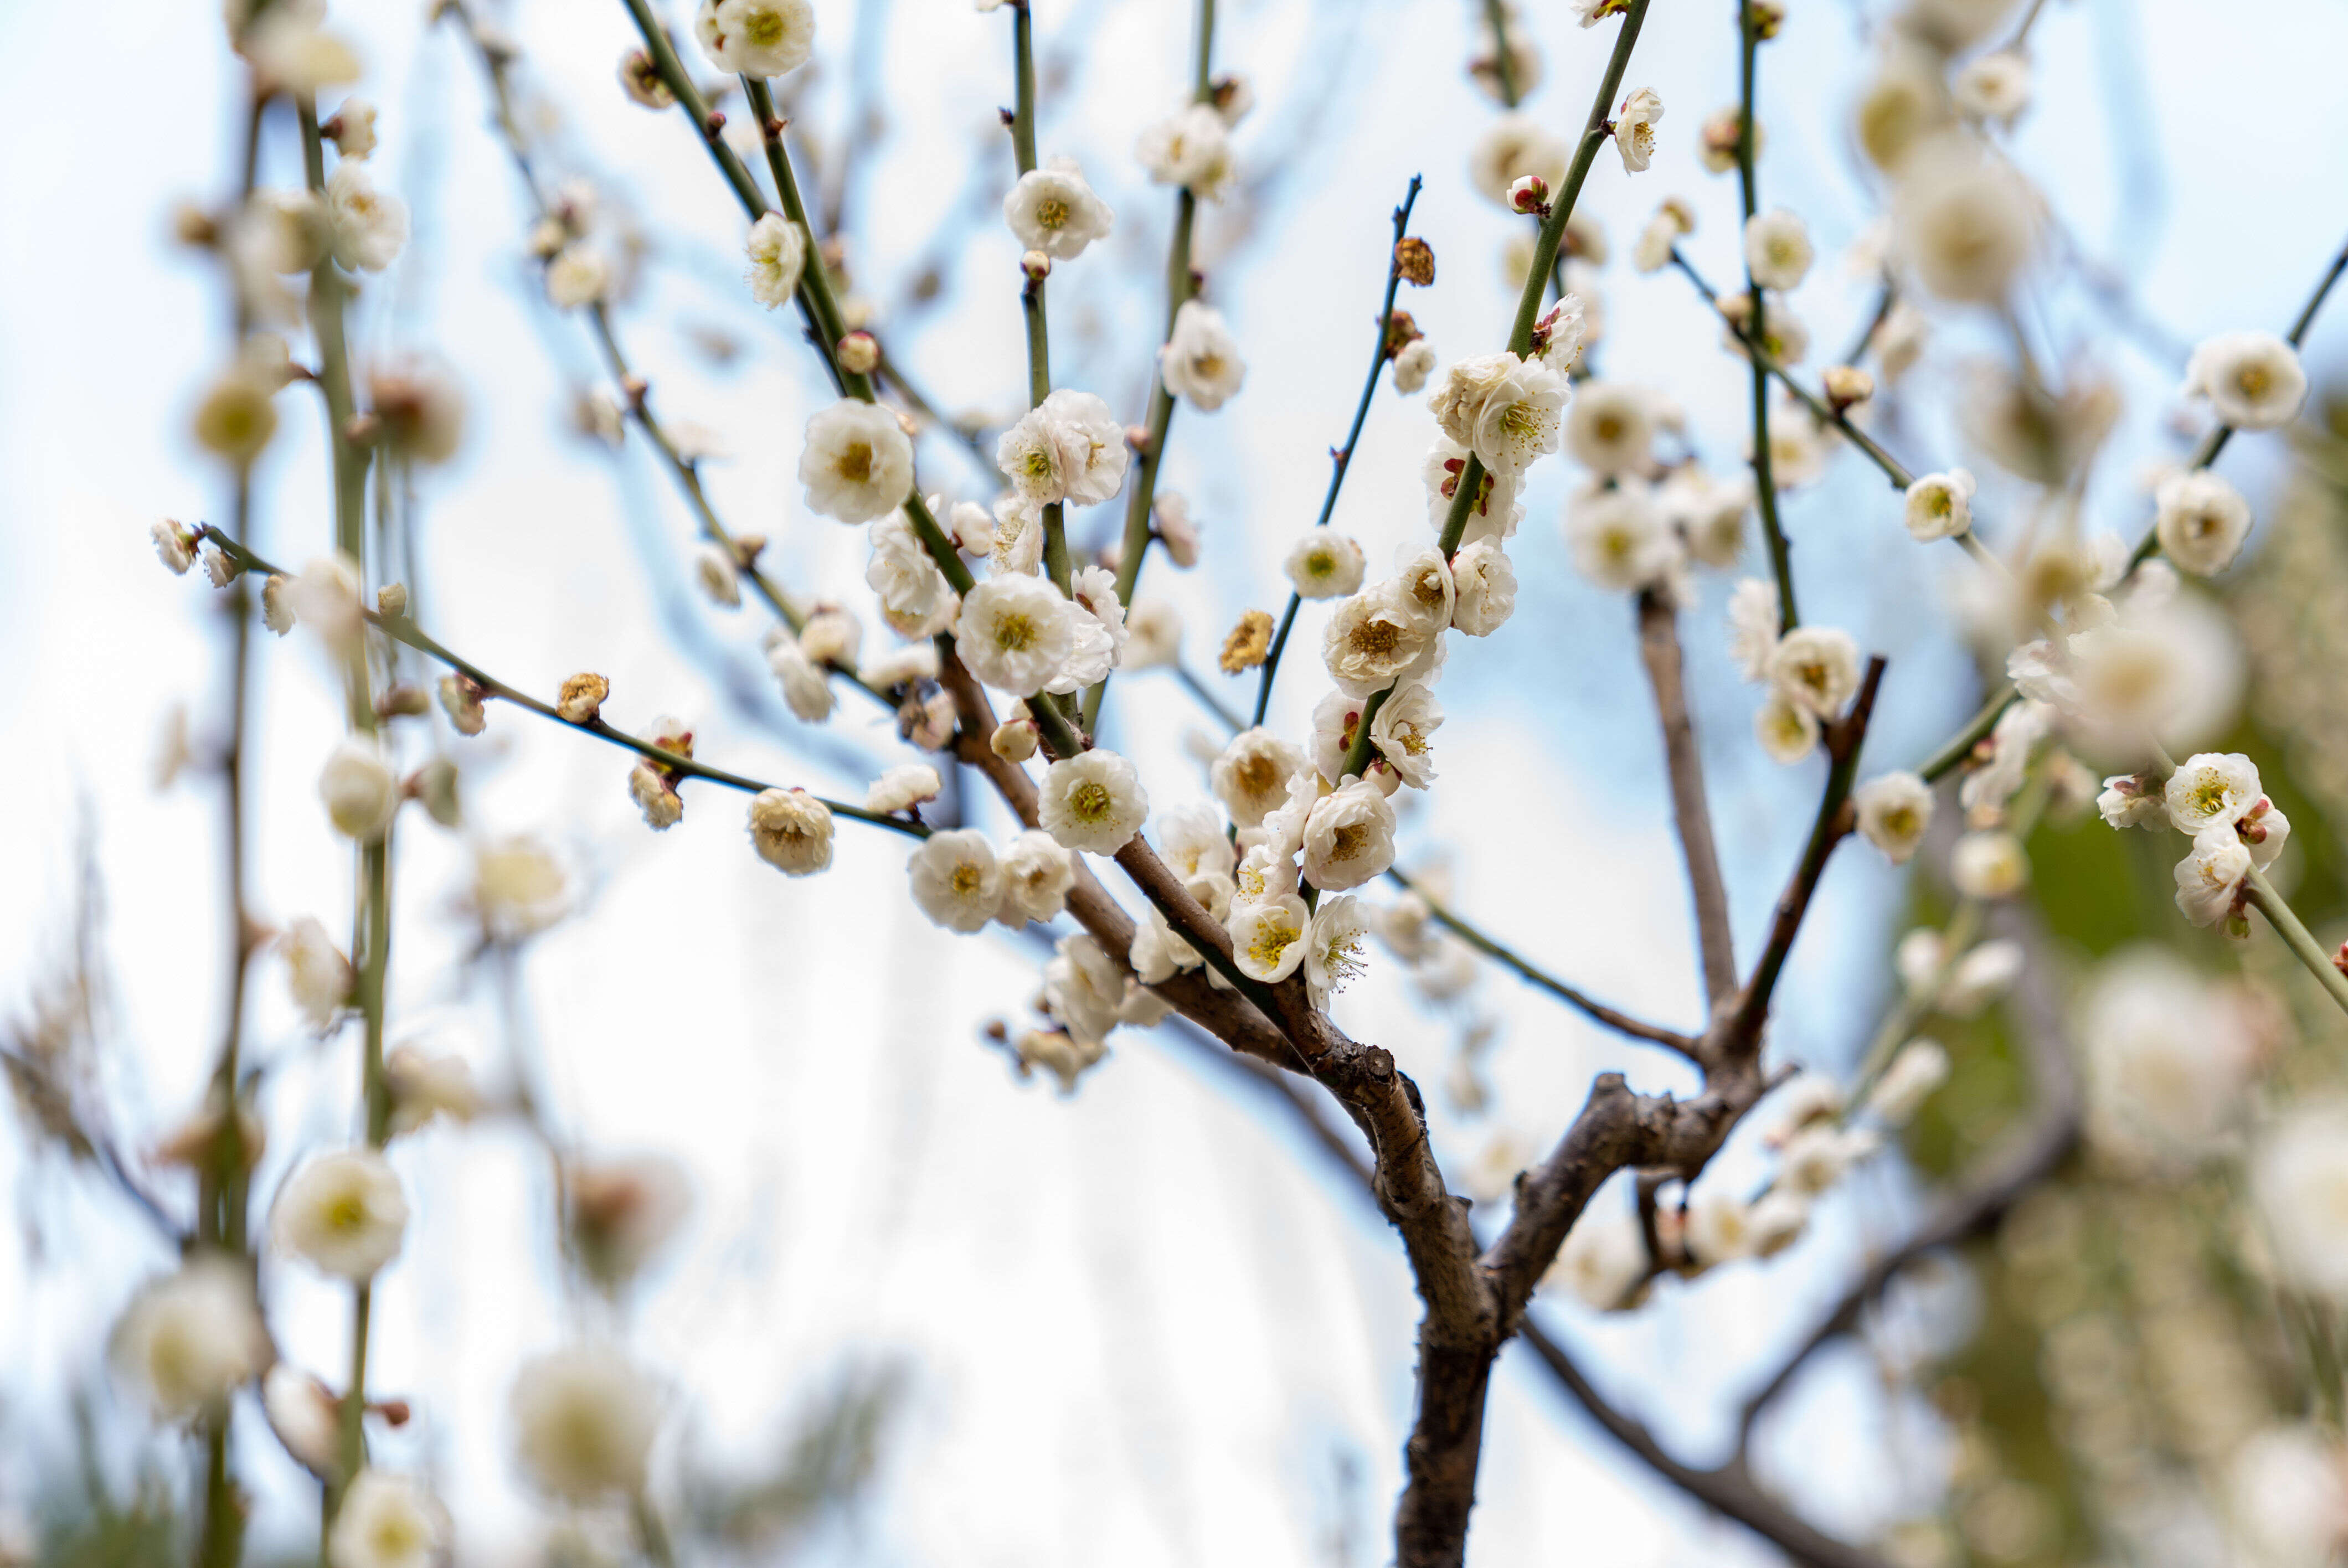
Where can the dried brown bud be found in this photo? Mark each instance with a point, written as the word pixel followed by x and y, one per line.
pixel 391 601
pixel 1413 258
pixel 1401 332
pixel 191 225
pixel 1249 644
pixel 583 697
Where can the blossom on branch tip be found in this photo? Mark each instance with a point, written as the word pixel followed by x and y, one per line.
pixel 1093 802
pixel 858 464
pixel 755 37
pixel 2252 379
pixel 1190 148
pixel 342 1213
pixel 175 546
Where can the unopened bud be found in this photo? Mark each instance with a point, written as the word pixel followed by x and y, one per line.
pixel 1846 385
pixel 1529 194
pixel 1136 436
pixel 1037 265
pixel 1013 740
pixel 402 702
pixel 2340 958
pixel 1413 259
pixel 391 601
pixel 1767 17
pixel 581 699
pixel 859 353
pixel 1401 332
pixel 191 225
pixel 361 429
pixel 747 548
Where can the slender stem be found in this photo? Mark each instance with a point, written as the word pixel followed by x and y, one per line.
pixel 1598 1012
pixel 1056 565
pixel 651 1532
pixel 1271 663
pixel 402 629
pixel 1023 66
pixel 2297 938
pixel 1504 70
pixel 1977 728
pixel 1342 458
pixel 1765 479
pixel 1214 703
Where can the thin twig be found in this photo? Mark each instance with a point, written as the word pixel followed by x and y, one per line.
pixel 1659 650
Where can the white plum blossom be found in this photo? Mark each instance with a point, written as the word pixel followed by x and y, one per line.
pixel 792 831
pixel 2200 520
pixel 957 879
pixel 904 787
pixel 1069 447
pixel 1252 777
pixel 1199 361
pixel 1513 146
pixel 806 692
pixel 1611 427
pixel 1634 128
pixel 1988 863
pixel 1777 249
pixel 1324 564
pixel 1709 513
pixel 387 1521
pixel 1096 623
pixel 2299 1178
pixel 189 1337
pixel 1994 86
pixel 1894 810
pixel 777 251
pixel 1016 633
pixel 1153 633
pixel 2211 789
pixel 305 1415
pixel 1412 366
pixel 1374 639
pixel 1093 800
pixel 368 226
pixel 858 464
pixel 1815 667
pixel 755 37
pixel 1054 211
pixel 1601 1263
pixel 1753 620
pixel 1036 875
pixel 1787 730
pixel 1333 944
pixel 315 972
pixel 2169 1060
pixel 1349 837
pixel 1967 220
pixel 1940 506
pixel 1191 840
pixel 359 789
pixel 1521 419
pixel 717 576
pixel 2253 380
pixel 1190 148
pixel 578 275
pixel 584 1420
pixel 2211 880
pixel 915 598
pixel 1619 536
pixel 1268 937
pixel 342 1213
pixel 1485 589
pixel 1403 732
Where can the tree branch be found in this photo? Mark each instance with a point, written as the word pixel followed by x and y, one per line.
pixel 1659 647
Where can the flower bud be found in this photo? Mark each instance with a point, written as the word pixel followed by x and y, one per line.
pixel 859 353
pixel 1529 194
pixel 581 699
pixel 1037 265
pixel 402 700
pixel 1014 741
pixel 1847 385
pixel 175 546
pixel 391 601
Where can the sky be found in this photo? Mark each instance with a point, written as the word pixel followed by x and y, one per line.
pixel 1143 1324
